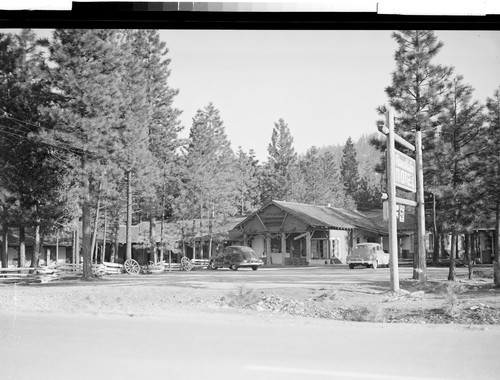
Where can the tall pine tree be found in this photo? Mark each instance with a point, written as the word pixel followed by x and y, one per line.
pixel 349 169
pixel 32 172
pixel 88 78
pixel 209 188
pixel 417 89
pixel 277 180
pixel 455 180
pixel 247 181
pixel 491 177
pixel 162 124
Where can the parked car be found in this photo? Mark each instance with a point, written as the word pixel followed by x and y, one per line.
pixel 369 255
pixel 234 257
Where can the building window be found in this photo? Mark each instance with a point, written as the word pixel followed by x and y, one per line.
pixel 335 248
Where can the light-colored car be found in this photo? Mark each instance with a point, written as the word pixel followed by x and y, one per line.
pixel 236 256
pixel 369 255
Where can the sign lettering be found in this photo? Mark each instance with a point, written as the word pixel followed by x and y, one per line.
pixel 405 175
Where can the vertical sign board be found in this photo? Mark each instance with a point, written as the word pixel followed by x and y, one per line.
pixel 405 175
pixel 400 212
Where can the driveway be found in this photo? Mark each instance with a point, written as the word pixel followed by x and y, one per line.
pixel 271 277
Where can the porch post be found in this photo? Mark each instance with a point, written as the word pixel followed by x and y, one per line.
pixel 283 243
pixel 351 237
pixel 308 246
pixel 268 248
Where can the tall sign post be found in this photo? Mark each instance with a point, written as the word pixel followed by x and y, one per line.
pixel 420 269
pixel 401 172
pixel 391 190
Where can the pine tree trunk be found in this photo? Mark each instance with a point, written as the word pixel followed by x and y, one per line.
pixel 496 247
pixel 128 254
pixel 103 251
pixel 201 231
pixel 116 242
pixel 152 240
pixel 76 254
pixel 36 247
pixel 87 239
pixel 5 246
pixel 94 232
pixel 161 233
pixel 47 252
pixel 442 247
pixel 22 246
pixel 451 274
pixel 435 253
pixel 473 247
pixel 468 253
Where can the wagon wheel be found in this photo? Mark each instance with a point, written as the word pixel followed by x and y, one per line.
pixel 186 264
pixel 132 266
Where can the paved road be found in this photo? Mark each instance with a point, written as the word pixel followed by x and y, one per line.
pixel 193 345
pixel 184 345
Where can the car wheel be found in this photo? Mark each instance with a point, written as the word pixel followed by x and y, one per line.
pixel 233 267
pixel 351 266
pixel 254 268
pixel 212 266
pixel 375 264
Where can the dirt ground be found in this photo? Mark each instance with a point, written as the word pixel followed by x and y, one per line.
pixel 469 302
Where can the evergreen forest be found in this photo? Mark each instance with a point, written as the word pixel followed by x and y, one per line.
pixel 89 135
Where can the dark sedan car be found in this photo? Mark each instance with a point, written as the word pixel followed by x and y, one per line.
pixel 234 257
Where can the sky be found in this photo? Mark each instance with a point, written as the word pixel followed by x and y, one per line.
pixel 325 85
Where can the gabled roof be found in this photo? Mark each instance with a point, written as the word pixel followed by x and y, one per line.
pixel 325 217
pixel 315 216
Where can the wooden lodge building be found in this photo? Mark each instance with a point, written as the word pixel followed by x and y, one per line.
pixel 301 234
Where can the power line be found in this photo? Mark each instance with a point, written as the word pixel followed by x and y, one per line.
pixel 6 114
pixel 69 149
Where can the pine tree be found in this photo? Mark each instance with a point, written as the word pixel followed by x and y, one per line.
pixel 277 179
pixel 416 92
pixel 162 118
pixel 336 195
pixel 31 171
pixel 209 188
pixel 247 171
pixel 94 115
pixel 417 84
pixel 491 176
pixel 455 180
pixel 311 169
pixel 367 196
pixel 349 169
